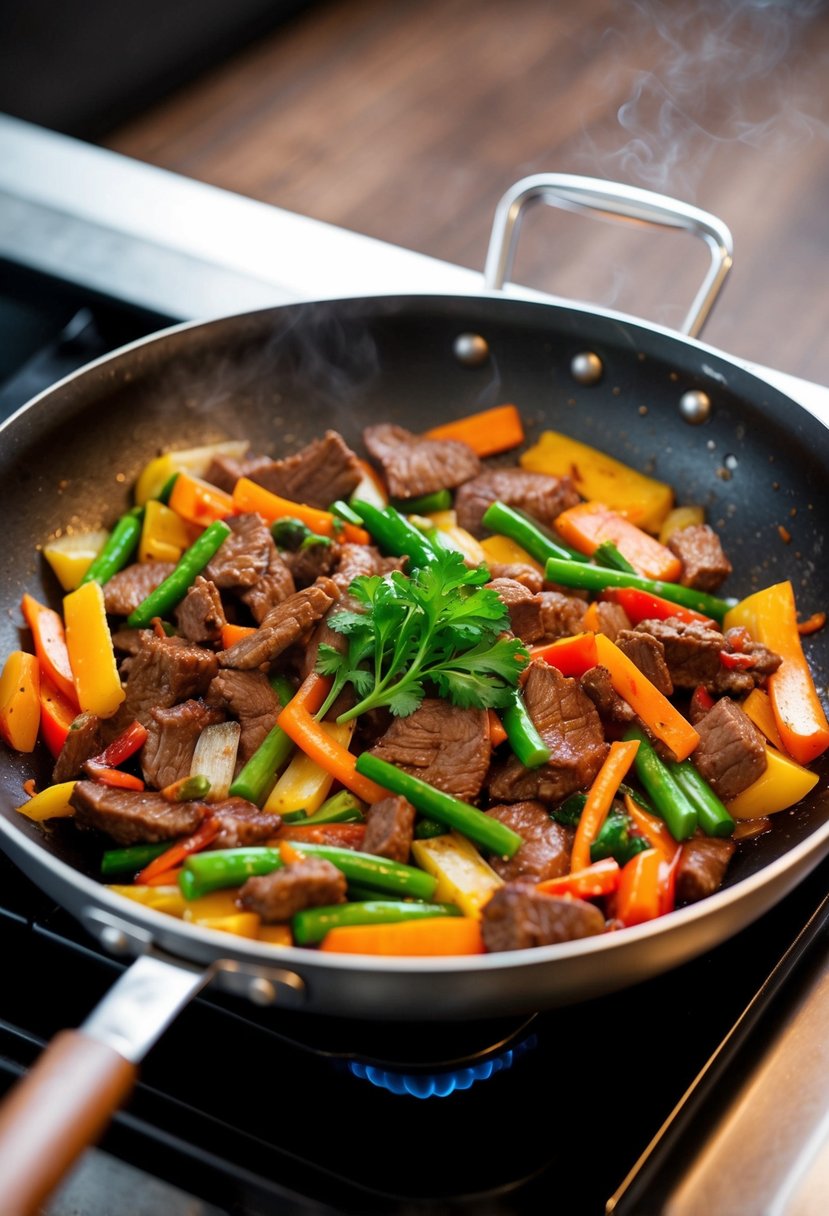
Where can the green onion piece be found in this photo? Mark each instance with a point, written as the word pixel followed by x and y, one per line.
pixel 441 500
pixel 298 816
pixel 394 534
pixel 488 833
pixel 713 817
pixel 174 588
pixel 507 521
pixel 131 859
pixel 615 840
pixel 118 549
pixel 426 829
pixel 311 925
pixel 345 511
pixel 523 737
pixel 668 799
pixel 608 555
pixel 596 578
pixel 258 777
pixel 188 788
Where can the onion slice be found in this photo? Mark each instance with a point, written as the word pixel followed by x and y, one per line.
pixel 215 757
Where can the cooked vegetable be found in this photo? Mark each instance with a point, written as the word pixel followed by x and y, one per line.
pixel 204 835
pixel 758 707
pixel 118 550
pixel 783 783
pixel 197 461
pixel 571 656
pixel 161 899
pixel 464 878
pixel 311 925
pixel 56 715
pixel 590 524
pixel 440 500
pixel 215 757
pixel 487 433
pixel 654 830
pixel 599 878
pixel 305 783
pixel 174 588
pixel 616 840
pixel 429 936
pixel 164 534
pixel 258 776
pixel 340 808
pixel 508 552
pixel 51 803
pixel 527 533
pixel 187 788
pixel 669 800
pixel 524 739
pixel 371 489
pixel 20 701
pixel 607 554
pixel 131 859
pixel 91 656
pixel 248 496
pixel 679 518
pixel 49 638
pixel 600 799
pixel 71 554
pixel 394 534
pixel 597 578
pixel 449 535
pixel 198 501
pixel 655 710
pixel 713 818
pixel 643 606
pixel 638 898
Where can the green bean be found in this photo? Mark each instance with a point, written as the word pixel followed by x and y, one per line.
pixel 426 829
pixel 615 840
pixel 342 807
pixel 596 578
pixel 346 512
pixel 713 817
pixel 131 859
pixel 174 588
pixel 166 490
pixel 118 549
pixel 258 776
pixel 526 532
pixel 311 925
pixel 441 500
pixel 608 555
pixel 394 534
pixel 523 737
pixel 668 799
pixel 489 833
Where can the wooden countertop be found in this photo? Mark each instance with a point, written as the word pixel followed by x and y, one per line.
pixel 407 120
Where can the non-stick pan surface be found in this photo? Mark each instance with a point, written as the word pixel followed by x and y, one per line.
pixel 759 465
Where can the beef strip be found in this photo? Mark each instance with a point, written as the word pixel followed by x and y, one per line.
pixel 131 586
pixel 547 845
pixel 354 561
pixel 519 917
pixel 308 564
pixel 163 672
pixel 244 556
pixel 704 565
pixel 701 867
pixel 561 615
pixel 612 618
pixel 224 471
pixel 731 752
pixel 567 721
pixel 127 641
pixel 131 816
pixel 445 746
pixel 390 828
pixel 693 652
pixel 172 734
pixel 610 706
pixel 283 626
pixel 518 572
pixel 241 823
pixel 414 465
pixel 523 606
pixel 200 615
pixel 248 697
pixel 541 496
pixel 280 895
pixel 275 585
pixel 83 741
pixel 318 475
pixel 648 654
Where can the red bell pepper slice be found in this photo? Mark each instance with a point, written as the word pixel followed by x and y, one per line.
pixel 643 606
pixel 114 777
pixel 50 646
pixel 120 749
pixel 601 878
pixel 572 656
pixel 639 898
pixel 204 835
pixel 56 715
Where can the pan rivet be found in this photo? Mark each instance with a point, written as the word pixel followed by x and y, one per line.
pixel 695 406
pixel 586 367
pixel 114 940
pixel 471 349
pixel 261 991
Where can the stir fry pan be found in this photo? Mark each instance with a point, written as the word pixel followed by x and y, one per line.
pixel 660 401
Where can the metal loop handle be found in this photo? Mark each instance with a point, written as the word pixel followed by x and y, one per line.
pixel 613 201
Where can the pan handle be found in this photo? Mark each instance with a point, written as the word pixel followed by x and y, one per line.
pixel 66 1100
pixel 615 201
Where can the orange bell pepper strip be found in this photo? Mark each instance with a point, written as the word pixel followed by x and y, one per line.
pixel 348 835
pixel 655 710
pixel 204 835
pixel 758 707
pixel 487 433
pixel 600 878
pixel 50 646
pixel 231 634
pixel 198 501
pixel 600 799
pixel 667 883
pixel 654 830
pixel 248 496
pixel 572 656
pixel 89 641
pixel 812 623
pixel 127 744
pixel 643 606
pixel 497 734
pixel 115 777
pixel 56 715
pixel 20 701
pixel 771 618
pixel 639 897
pixel 298 723
pixel 587 525
pixel 430 936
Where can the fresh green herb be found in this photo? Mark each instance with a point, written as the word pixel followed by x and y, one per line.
pixel 441 626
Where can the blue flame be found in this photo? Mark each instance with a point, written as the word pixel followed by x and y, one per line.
pixel 440 1084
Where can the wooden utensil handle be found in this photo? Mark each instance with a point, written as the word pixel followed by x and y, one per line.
pixel 56 1111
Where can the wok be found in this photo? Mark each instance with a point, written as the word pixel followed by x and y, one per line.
pixel 278 377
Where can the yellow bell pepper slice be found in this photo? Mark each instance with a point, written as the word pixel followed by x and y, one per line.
pixel 164 534
pixel 678 519
pixel 782 785
pixel 458 538
pixel 155 475
pixel 507 553
pixel 51 803
pixel 758 707
pixel 464 878
pixel 161 899
pixel 91 655
pixel 276 935
pixel 304 785
pixel 643 500
pixel 243 924
pixel 209 907
pixel 71 555
pixel 20 701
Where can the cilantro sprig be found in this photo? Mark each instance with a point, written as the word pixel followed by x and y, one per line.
pixel 441 627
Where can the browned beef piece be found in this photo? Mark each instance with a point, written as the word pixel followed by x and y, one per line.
pixel 322 472
pixel 567 721
pixel 704 565
pixel 312 883
pixel 701 867
pixel 648 654
pixel 524 608
pixel 309 564
pixel 172 734
pixel 547 845
pixel 738 641
pixel 561 615
pixel 126 640
pixel 612 618
pixel 528 576
pixel 284 625
pixel 443 745
pixel 390 828
pixel 355 561
pixel 248 697
pixel 325 635
pixel 275 585
pixel 224 471
pixel 241 823
pixel 541 496
pixel 84 740
pixel 599 687
pixel 414 465
pixel 244 556
pixel 519 917
pixel 693 654
pixel 200 615
pixel 131 586
pixel 162 673
pixel 131 816
pixel 731 752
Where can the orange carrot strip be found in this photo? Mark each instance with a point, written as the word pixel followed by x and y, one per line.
pixel 812 623
pixel 587 525
pixel 497 734
pixel 572 656
pixel 164 878
pixel 430 936
pixel 198 501
pixel 50 646
pixel 312 692
pixel 654 830
pixel 204 835
pixel 248 496
pixel 487 433
pixel 599 800
pixel 349 835
pixel 600 878
pixel 591 619
pixel 115 777
pixel 231 634
pixel 639 896
pixel 655 710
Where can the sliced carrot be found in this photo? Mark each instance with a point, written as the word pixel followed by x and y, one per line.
pixel 639 897
pixel 164 878
pixel 231 634
pixel 487 433
pixel 600 878
pixel 655 710
pixel 289 854
pixel 349 835
pixel 589 524
pixel 591 619
pixel 572 656
pixel 115 777
pixel 198 501
pixel 599 800
pixel 50 646
pixel 248 496
pixel 430 936
pixel 653 829
pixel 20 701
pixel 812 623
pixel 204 835
pixel 497 734
pixel 56 715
